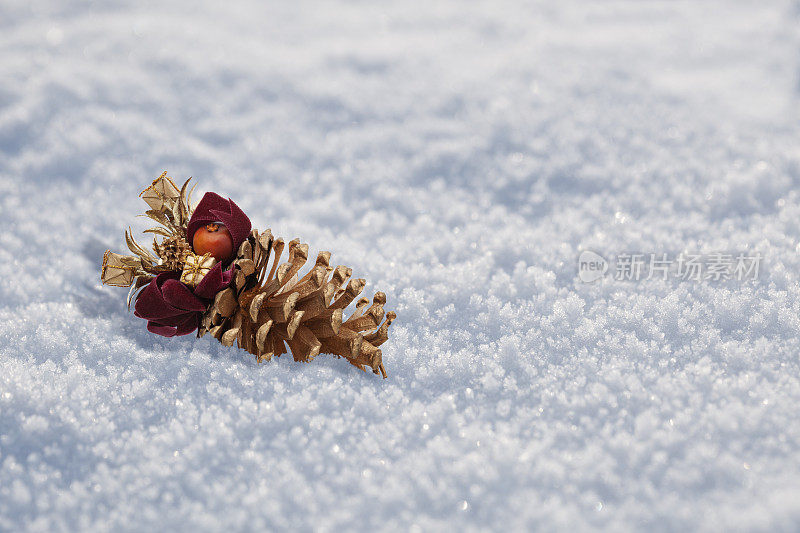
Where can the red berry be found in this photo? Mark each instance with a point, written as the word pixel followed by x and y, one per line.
pixel 214 239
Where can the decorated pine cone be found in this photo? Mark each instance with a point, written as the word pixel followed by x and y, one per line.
pixel 231 284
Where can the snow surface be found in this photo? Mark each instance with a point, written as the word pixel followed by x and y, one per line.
pixel 459 156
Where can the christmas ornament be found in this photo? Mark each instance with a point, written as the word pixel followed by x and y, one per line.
pixel 230 284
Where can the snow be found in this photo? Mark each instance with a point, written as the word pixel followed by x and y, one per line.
pixel 460 157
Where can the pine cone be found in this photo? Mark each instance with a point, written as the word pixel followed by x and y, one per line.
pixel 264 310
pixel 172 251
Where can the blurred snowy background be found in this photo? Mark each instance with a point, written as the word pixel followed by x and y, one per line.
pixel 459 156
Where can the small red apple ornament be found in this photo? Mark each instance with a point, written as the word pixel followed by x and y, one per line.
pixel 214 239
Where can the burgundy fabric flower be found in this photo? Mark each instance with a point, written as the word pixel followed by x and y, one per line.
pixel 215 208
pixel 213 282
pixel 172 308
pixel 169 306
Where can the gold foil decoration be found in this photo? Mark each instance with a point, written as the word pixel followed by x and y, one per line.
pixel 120 270
pixel 196 267
pixel 162 194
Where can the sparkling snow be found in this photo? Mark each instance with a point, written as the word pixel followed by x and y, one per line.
pixel 460 156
